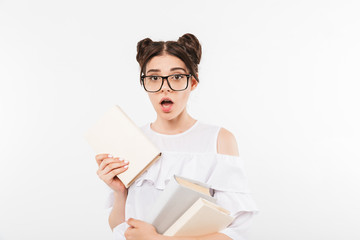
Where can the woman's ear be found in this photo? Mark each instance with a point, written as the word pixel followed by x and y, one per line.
pixel 194 82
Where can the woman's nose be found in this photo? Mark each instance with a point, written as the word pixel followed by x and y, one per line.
pixel 165 86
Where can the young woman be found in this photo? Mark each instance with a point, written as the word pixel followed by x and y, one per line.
pixel 192 149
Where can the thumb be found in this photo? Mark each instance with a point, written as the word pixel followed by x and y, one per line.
pixel 134 222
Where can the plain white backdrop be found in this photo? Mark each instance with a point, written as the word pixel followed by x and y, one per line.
pixel 282 76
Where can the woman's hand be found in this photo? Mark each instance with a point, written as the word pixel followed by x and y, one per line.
pixel 109 167
pixel 140 230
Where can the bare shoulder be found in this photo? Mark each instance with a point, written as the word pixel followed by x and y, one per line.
pixel 226 143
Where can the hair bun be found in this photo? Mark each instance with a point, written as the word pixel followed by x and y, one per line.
pixel 141 47
pixel 192 46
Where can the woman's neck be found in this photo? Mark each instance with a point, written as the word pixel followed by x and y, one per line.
pixel 173 126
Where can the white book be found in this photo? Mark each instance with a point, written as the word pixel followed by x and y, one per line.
pixel 202 218
pixel 115 133
pixel 180 193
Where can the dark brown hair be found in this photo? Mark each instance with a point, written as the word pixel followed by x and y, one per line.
pixel 187 48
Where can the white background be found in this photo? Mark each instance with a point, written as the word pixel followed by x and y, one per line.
pixel 283 76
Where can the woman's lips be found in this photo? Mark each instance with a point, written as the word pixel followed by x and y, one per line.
pixel 166 104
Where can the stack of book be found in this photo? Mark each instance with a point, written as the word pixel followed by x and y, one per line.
pixel 186 207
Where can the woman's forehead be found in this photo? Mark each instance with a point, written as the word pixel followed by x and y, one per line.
pixel 165 63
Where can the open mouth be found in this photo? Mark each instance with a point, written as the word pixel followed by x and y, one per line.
pixel 166 104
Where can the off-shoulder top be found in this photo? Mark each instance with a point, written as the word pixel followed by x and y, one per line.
pixel 192 154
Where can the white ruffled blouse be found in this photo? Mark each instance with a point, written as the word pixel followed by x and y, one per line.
pixel 224 173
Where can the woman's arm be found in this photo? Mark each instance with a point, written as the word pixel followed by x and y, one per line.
pixel 140 230
pixel 109 168
pixel 117 215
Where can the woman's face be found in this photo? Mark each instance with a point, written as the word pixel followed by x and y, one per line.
pixel 166 65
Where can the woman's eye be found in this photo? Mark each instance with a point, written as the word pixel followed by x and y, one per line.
pixel 178 77
pixel 154 78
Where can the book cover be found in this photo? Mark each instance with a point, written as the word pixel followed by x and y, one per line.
pixel 203 217
pixel 180 193
pixel 115 133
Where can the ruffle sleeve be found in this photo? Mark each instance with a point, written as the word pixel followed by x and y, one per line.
pixel 224 173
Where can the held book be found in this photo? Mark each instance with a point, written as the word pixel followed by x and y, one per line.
pixel 180 193
pixel 115 133
pixel 203 217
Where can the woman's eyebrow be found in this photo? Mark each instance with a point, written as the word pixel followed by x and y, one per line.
pixel 177 68
pixel 153 70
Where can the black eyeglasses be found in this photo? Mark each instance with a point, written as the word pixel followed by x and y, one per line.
pixel 176 82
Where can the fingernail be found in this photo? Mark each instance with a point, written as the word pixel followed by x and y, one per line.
pixel 126 166
pixel 126 161
pixel 110 156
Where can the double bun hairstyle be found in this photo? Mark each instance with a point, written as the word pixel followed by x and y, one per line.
pixel 187 48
